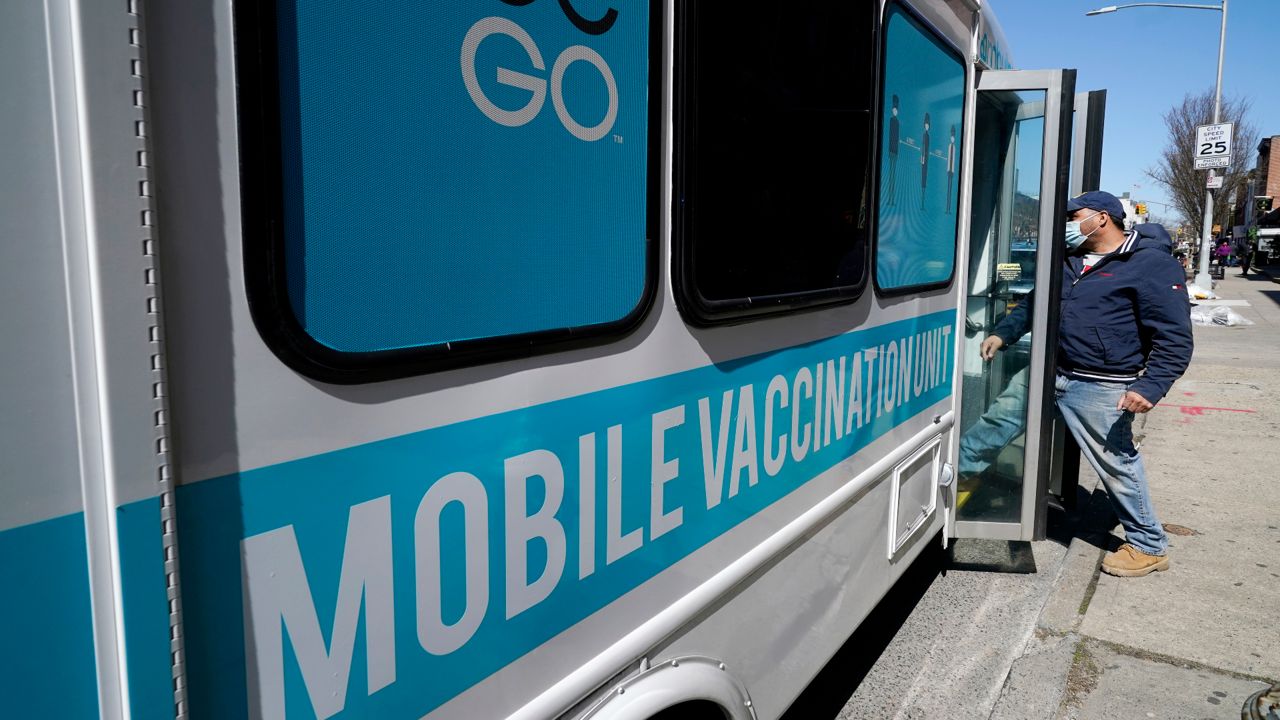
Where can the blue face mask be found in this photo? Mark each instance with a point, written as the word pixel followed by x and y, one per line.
pixel 1074 237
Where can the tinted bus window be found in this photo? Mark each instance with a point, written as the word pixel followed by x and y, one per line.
pixel 444 178
pixel 921 128
pixel 773 115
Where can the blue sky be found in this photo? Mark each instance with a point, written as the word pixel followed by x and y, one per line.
pixel 1148 59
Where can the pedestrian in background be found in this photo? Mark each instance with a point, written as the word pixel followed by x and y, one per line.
pixel 1124 337
pixel 1244 251
pixel 1223 252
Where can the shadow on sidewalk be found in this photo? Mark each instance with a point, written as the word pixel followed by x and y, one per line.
pixel 1266 273
pixel 1272 295
pixel 1092 521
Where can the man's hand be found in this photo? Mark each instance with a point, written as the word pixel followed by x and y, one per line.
pixel 1134 403
pixel 989 347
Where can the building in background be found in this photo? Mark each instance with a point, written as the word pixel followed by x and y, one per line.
pixel 1262 192
pixel 1263 210
pixel 1267 183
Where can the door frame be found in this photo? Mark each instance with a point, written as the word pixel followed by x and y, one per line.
pixel 1059 89
pixel 1086 175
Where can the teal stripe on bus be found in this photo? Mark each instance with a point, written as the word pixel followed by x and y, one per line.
pixel 409 509
pixel 48 668
pixel 146 610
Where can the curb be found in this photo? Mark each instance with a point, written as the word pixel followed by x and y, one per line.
pixel 1039 682
pixel 1072 590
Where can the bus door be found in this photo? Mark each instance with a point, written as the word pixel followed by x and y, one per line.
pixel 1086 175
pixel 1020 166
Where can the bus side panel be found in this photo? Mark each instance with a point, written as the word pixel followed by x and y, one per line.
pixel 100 118
pixel 843 571
pixel 46 620
pixel 368 520
pixel 473 543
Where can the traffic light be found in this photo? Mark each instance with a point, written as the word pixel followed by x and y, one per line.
pixel 1140 208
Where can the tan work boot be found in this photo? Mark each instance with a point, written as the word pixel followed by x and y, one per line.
pixel 1129 561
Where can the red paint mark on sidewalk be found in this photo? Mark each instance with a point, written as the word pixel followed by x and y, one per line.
pixel 1189 394
pixel 1200 409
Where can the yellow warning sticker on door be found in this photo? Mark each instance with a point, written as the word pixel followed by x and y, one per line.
pixel 1008 271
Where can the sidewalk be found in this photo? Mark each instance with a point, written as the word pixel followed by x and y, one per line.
pixel 1196 641
pixel 1049 637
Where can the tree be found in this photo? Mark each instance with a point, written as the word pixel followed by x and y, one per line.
pixel 1026 217
pixel 1176 168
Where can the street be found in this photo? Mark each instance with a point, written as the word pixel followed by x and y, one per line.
pixel 1006 630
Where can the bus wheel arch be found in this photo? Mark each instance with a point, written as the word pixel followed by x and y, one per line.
pixel 689 687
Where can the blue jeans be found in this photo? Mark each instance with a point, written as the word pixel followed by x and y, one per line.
pixel 1105 435
pixel 1004 420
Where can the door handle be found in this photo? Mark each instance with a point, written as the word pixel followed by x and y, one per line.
pixel 947 476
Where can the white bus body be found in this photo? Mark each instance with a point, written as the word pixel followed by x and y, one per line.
pixel 194 522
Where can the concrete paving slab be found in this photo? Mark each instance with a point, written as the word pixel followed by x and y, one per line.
pixel 1233 302
pixel 1108 685
pixel 952 654
pixel 1218 614
pixel 1036 684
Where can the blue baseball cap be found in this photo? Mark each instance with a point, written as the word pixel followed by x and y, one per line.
pixel 1097 200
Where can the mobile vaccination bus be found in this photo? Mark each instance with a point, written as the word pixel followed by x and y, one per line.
pixel 504 358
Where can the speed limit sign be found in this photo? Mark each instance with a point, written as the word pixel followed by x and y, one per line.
pixel 1213 145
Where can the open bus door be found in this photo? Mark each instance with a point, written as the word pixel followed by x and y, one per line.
pixel 1086 175
pixel 1020 164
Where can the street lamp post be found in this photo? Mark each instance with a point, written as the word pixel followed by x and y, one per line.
pixel 1206 241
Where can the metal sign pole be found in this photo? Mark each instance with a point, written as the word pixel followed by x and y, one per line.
pixel 1206 233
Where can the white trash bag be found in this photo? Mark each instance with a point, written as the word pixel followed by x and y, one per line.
pixel 1221 315
pixel 1195 292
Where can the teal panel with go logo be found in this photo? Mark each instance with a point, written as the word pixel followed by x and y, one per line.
pixel 462 171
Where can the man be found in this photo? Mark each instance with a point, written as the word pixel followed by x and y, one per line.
pixel 1003 420
pixel 1124 337
pixel 1244 251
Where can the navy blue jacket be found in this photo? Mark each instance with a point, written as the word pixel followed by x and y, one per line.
pixel 1130 312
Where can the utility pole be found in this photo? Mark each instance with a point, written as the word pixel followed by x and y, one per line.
pixel 1206 242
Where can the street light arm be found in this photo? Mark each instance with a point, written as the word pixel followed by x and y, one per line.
pixel 1185 6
